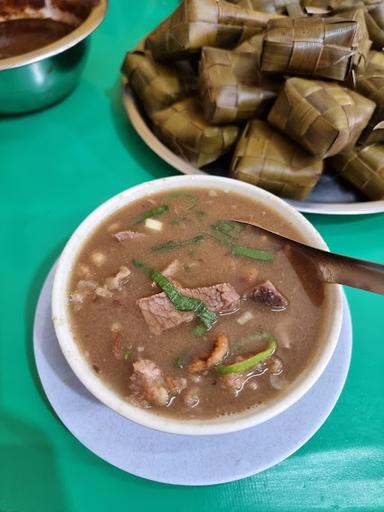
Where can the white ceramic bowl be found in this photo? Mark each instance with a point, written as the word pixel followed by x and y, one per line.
pixel 231 423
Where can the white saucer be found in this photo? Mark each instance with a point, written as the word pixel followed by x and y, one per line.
pixel 176 459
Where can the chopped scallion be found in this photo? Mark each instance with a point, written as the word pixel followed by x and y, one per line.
pixel 251 252
pixel 181 361
pixel 199 330
pixel 177 244
pixel 153 212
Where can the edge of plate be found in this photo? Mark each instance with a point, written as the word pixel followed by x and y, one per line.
pixel 184 167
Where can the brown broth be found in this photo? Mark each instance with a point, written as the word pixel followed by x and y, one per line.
pixel 203 264
pixel 26 35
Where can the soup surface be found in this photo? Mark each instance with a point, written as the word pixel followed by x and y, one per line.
pixel 234 324
pixel 25 35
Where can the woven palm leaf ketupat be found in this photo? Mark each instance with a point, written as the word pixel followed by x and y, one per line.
pixel 334 6
pixel 198 23
pixel 364 168
pixel 323 117
pixel 232 87
pixel 374 16
pixel 371 85
pixel 362 37
pixel 276 6
pixel 319 47
pixel 293 7
pixel 183 128
pixel 376 135
pixel 252 45
pixel 375 61
pixel 268 159
pixel 156 85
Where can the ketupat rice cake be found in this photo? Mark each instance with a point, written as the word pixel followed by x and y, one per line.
pixel 268 159
pixel 322 117
pixel 183 128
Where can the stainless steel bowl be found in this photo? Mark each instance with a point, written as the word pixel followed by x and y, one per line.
pixel 39 78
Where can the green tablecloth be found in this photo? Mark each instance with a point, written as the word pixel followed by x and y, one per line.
pixel 55 167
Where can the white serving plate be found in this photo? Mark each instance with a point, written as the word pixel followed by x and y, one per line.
pixel 178 459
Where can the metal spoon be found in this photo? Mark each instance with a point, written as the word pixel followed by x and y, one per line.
pixel 329 267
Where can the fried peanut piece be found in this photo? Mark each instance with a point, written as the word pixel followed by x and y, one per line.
pixel 220 350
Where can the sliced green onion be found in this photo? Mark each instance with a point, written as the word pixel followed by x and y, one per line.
pixel 190 198
pixel 181 361
pixel 225 232
pixel 177 244
pixel 252 361
pixel 127 354
pixel 251 252
pixel 153 212
pixel 180 301
pixel 199 330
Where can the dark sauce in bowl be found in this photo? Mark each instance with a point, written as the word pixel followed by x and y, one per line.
pixel 25 35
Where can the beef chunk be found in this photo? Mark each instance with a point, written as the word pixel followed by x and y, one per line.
pixel 127 235
pixel 147 383
pixel 266 293
pixel 160 314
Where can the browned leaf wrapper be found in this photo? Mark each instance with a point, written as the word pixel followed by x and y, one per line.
pixel 252 45
pixel 156 85
pixel 364 43
pixel 293 7
pixel 276 6
pixel 374 16
pixel 364 168
pixel 322 7
pixel 198 23
pixel 322 47
pixel 375 61
pixel 182 128
pixel 232 87
pixel 323 117
pixel 371 85
pixel 376 135
pixel 268 159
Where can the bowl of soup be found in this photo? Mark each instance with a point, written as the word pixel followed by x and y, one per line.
pixel 182 319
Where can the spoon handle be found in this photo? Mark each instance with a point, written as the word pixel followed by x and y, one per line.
pixel 335 268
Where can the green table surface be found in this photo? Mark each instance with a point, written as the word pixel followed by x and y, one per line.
pixel 55 167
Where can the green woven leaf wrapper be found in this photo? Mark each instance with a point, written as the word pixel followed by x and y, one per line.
pixel 157 85
pixel 198 23
pixel 268 159
pixel 371 85
pixel 182 128
pixel 232 87
pixel 319 47
pixel 364 168
pixel 323 117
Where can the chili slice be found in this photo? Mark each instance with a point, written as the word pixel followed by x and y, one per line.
pixel 252 361
pixel 153 212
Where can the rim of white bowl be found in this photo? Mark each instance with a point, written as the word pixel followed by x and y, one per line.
pixel 145 417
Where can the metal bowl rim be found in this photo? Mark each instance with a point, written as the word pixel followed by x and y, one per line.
pixel 143 130
pixel 95 17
